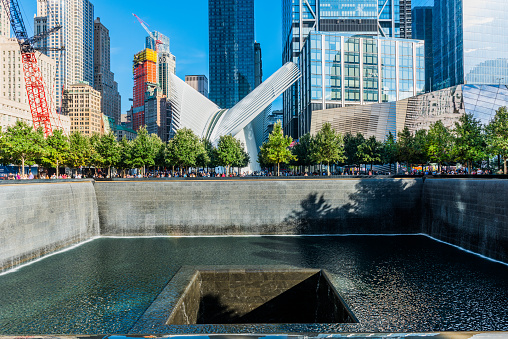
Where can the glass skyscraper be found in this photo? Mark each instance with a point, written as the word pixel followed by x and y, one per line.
pixel 470 43
pixel 231 34
pixel 360 17
pixel 422 30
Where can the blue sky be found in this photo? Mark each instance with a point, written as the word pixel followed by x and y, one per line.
pixel 184 22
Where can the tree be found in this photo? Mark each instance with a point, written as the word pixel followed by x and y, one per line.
pixel 302 151
pixel 419 154
pixel 469 141
pixel 80 150
pixel 184 149
pixel 351 144
pixel 497 135
pixel 207 159
pixel 108 150
pixel 125 161
pixel 405 142
pixel 390 150
pixel 370 152
pixel 229 152
pixel 23 144
pixel 276 149
pixel 56 150
pixel 328 146
pixel 438 143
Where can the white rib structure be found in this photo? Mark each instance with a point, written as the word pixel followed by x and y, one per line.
pixel 234 120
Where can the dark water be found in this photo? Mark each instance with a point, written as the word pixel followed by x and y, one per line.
pixel 402 283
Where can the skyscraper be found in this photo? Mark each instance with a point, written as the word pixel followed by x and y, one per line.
pixel 104 79
pixel 231 43
pixel 198 82
pixel 145 79
pixel 470 43
pixel 75 63
pixel 422 30
pixel 166 62
pixel 5 25
pixel 361 17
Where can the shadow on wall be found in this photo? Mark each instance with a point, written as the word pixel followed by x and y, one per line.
pixel 374 207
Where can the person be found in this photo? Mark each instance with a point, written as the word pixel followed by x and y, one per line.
pixel 31 176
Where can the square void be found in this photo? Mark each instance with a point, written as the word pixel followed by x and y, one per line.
pixel 260 297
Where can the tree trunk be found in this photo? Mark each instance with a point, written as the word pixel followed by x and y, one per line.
pixel 109 172
pixel 57 169
pixel 504 165
pixel 278 168
pixel 328 168
pixel 22 167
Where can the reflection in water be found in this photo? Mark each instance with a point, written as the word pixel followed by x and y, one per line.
pixel 407 283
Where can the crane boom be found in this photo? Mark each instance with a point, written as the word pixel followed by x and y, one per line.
pixel 34 82
pixel 157 41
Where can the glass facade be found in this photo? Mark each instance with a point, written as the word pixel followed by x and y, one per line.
pixel 231 38
pixel 471 46
pixel 359 77
pixel 422 30
pixel 340 70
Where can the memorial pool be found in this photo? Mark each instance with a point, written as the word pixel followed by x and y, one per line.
pixel 391 283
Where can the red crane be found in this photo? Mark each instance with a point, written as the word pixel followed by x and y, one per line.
pixel 34 82
pixel 144 24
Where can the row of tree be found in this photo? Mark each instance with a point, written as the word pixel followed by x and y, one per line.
pixel 467 143
pixel 22 145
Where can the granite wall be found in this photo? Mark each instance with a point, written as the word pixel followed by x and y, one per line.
pixel 40 218
pixel 259 207
pixel 472 214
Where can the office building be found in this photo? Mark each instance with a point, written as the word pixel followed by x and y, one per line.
pixel 82 104
pixel 156 113
pixel 422 30
pixel 271 120
pixel 341 70
pixel 166 62
pixel 76 37
pixel 13 95
pixel 145 78
pixel 231 45
pixel 5 25
pixel 470 43
pixel 382 18
pixel 198 82
pixel 104 79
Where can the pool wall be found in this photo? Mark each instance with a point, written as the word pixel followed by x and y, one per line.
pixel 37 219
pixel 360 206
pixel 472 214
pixel 40 218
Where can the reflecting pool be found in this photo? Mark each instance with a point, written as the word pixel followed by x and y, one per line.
pixel 391 283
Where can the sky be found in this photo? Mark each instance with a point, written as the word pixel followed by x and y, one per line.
pixel 186 24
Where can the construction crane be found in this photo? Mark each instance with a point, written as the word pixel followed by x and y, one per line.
pixel 41 113
pixel 144 24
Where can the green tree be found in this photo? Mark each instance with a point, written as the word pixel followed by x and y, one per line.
pixel 419 154
pixel 95 159
pixel 390 150
pixel 125 161
pixel 207 158
pixel 328 146
pixel 302 151
pixel 109 151
pixel 229 152
pixel 184 149
pixel 438 143
pixel 276 150
pixel 351 143
pixel 144 150
pixel 497 135
pixel 468 141
pixel 405 143
pixel 56 151
pixel 80 150
pixel 370 152
pixel 23 145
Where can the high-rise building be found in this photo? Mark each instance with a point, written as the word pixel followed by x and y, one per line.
pixel 469 42
pixel 5 25
pixel 13 95
pixel 156 113
pixel 231 44
pixel 166 60
pixel 145 78
pixel 198 82
pixel 360 17
pixel 422 30
pixel 104 79
pixel 82 104
pixel 75 64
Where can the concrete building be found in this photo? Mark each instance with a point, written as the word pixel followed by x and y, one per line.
pixel 198 82
pixel 82 104
pixel 104 79
pixel 123 131
pixel 13 96
pixel 231 46
pixel 5 25
pixel 145 77
pixel 76 36
pixel 156 113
